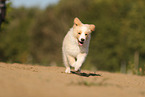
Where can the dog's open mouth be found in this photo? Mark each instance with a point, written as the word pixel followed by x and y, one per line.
pixel 81 43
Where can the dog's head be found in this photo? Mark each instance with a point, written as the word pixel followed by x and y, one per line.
pixel 82 31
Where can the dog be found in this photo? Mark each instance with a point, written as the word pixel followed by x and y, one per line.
pixel 75 45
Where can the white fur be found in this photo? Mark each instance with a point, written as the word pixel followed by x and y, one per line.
pixel 74 54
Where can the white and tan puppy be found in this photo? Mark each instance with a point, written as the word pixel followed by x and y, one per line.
pixel 76 45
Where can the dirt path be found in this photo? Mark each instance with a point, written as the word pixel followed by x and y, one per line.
pixel 18 80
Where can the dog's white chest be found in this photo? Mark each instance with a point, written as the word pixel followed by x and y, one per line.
pixel 73 51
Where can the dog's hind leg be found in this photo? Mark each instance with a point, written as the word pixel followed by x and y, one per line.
pixel 65 60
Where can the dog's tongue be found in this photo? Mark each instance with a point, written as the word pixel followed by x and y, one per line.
pixel 80 44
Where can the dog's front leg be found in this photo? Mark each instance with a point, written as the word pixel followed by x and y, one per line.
pixel 80 60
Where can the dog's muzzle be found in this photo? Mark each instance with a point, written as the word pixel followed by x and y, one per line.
pixel 81 42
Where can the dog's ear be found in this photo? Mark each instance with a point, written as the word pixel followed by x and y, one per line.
pixel 92 27
pixel 77 22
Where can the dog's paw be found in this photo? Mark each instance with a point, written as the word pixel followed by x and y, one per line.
pixel 67 70
pixel 77 69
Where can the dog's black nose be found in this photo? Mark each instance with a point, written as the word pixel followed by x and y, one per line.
pixel 82 39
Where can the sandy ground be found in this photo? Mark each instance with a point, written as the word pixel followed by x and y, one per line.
pixel 19 80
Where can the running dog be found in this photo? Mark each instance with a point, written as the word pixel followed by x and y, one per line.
pixel 76 45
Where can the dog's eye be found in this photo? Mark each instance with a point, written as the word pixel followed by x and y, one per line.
pixel 79 33
pixel 86 34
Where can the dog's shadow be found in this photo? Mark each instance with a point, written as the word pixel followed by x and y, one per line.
pixel 85 74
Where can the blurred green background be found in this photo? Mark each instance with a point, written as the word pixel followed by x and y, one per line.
pixel 34 35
